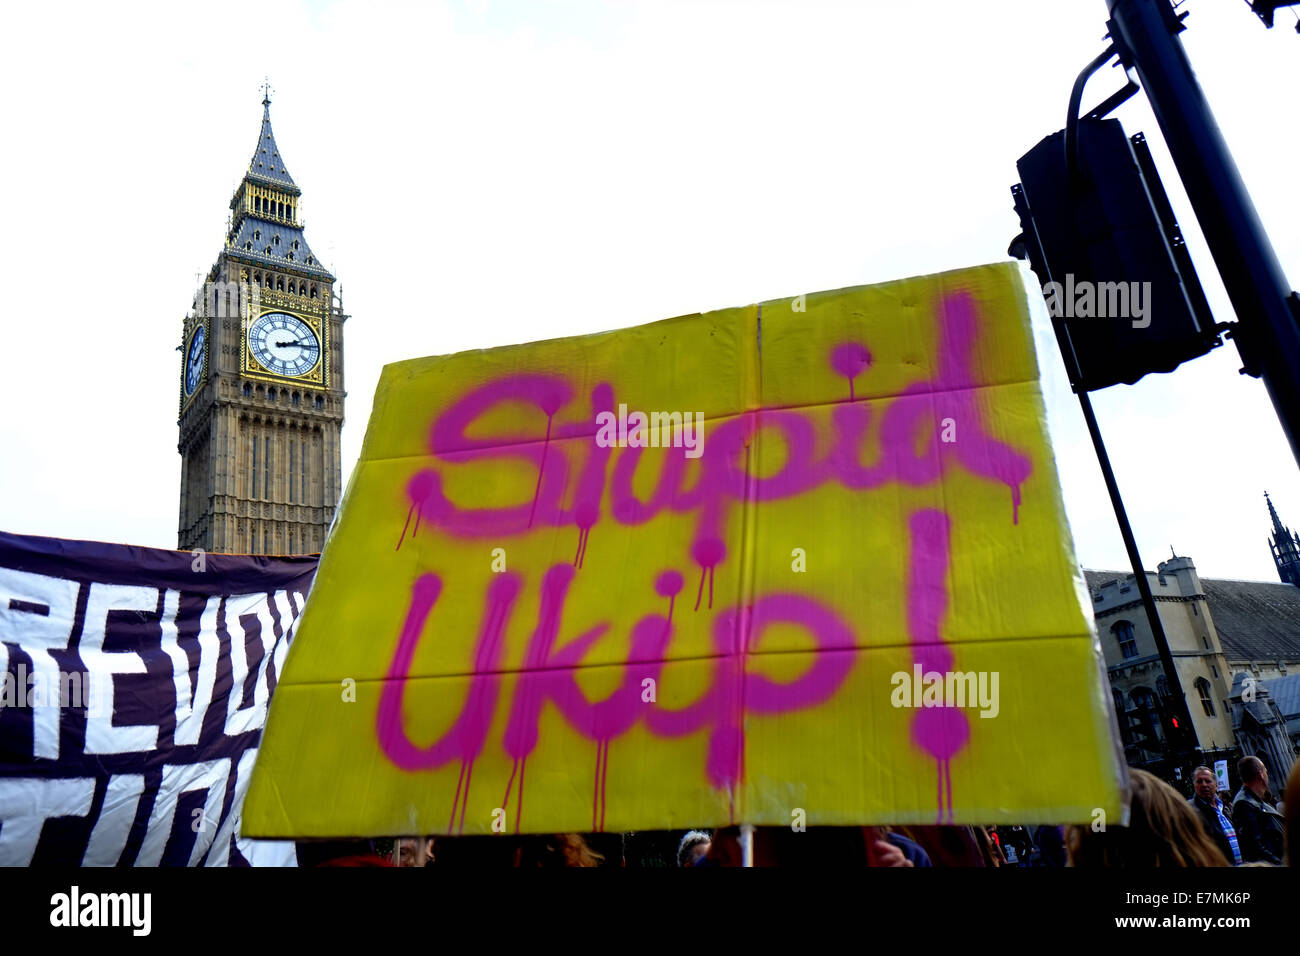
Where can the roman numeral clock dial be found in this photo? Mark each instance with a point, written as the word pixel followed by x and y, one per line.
pixel 194 355
pixel 284 344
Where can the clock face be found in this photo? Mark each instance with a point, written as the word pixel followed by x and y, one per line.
pixel 194 360
pixel 284 344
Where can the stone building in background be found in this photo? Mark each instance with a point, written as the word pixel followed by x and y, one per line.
pixel 1236 647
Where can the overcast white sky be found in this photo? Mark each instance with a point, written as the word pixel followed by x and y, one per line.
pixel 485 173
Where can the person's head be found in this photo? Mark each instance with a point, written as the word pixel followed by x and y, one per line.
pixel 575 851
pixel 693 848
pixel 1253 773
pixel 1162 831
pixel 1205 783
pixel 725 849
pixel 412 851
pixel 1291 809
pixel 556 850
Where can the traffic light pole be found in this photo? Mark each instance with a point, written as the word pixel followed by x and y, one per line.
pixel 1182 741
pixel 1182 744
pixel 1267 332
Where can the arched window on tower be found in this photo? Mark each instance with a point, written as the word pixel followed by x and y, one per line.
pixel 1203 691
pixel 1127 640
pixel 257 472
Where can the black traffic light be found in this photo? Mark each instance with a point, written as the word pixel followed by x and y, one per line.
pixel 1145 732
pixel 1178 735
pixel 1101 237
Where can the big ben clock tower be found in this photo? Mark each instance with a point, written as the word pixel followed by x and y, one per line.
pixel 261 390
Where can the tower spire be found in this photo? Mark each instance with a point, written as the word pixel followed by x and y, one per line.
pixel 1277 524
pixel 267 165
pixel 1286 553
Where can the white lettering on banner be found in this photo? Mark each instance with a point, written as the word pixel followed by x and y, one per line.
pixel 108 839
pixel 36 612
pixel 286 614
pixel 240 719
pixel 178 779
pixel 221 842
pixel 189 722
pixel 102 735
pixel 27 802
pixel 168 641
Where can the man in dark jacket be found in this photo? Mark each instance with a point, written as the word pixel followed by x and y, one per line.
pixel 1259 826
pixel 1213 814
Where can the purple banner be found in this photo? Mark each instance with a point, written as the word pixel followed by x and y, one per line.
pixel 134 685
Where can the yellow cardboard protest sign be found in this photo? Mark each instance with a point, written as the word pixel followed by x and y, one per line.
pixel 808 555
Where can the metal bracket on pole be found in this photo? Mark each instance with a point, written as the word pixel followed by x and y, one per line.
pixel 1267 332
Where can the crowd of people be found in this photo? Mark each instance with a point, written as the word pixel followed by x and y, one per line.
pixel 1164 829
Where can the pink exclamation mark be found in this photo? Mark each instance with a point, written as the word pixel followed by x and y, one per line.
pixel 940 731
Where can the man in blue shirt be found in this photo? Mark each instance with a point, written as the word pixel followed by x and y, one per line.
pixel 1213 814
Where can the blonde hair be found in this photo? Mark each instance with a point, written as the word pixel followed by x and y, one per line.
pixel 573 849
pixel 1162 831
